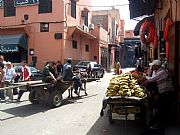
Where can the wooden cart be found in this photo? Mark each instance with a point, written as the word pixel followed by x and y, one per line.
pixel 125 108
pixel 46 93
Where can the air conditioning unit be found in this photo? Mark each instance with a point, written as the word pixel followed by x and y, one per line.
pixel 85 28
pixel 91 26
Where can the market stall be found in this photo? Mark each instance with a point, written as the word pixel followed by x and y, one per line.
pixel 125 98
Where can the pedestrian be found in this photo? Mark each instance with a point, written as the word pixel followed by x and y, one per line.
pixel 139 65
pixel 10 74
pixel 59 68
pixel 117 68
pixel 2 62
pixel 2 74
pixel 25 72
pixel 24 76
pixel 89 71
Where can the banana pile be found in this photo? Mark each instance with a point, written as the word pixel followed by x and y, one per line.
pixel 125 85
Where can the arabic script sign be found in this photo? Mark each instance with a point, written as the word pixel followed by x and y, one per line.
pixel 8 48
pixel 25 2
pixel 1 3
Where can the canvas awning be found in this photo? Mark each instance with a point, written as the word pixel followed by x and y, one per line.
pixel 141 7
pixel 10 42
pixel 77 29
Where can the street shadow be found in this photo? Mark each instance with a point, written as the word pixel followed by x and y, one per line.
pixel 25 110
pixel 118 127
pixel 75 100
pixel 70 101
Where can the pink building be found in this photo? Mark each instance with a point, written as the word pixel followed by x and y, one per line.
pixel 101 45
pixel 111 22
pixel 44 30
pixel 129 34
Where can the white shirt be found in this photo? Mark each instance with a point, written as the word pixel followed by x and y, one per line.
pixel 159 75
pixel 9 74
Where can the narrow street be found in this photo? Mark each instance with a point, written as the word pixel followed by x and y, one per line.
pixel 75 117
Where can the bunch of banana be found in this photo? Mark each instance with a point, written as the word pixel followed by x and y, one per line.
pixel 124 85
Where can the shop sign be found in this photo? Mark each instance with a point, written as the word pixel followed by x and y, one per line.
pixel 25 2
pixel 8 48
pixel 1 3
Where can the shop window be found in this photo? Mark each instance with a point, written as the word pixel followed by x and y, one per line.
pixel 74 44
pixel 87 48
pixel 73 8
pixel 44 27
pixel 45 6
pixel 9 8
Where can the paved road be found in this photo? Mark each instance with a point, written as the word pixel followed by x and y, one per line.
pixel 75 117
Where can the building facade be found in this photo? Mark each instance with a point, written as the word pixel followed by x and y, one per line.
pixel 166 19
pixel 111 22
pixel 44 30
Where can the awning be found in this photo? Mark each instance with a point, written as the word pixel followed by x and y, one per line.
pixel 138 25
pixel 141 7
pixel 13 41
pixel 77 29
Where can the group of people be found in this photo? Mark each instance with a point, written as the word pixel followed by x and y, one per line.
pixel 52 72
pixel 8 75
pixel 158 82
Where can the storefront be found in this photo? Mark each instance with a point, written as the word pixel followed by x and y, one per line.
pixel 14 48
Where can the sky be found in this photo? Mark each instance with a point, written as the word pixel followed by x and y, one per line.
pixel 124 10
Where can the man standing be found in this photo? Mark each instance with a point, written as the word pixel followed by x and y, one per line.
pixel 59 68
pixel 2 72
pixel 24 76
pixel 10 74
pixel 25 72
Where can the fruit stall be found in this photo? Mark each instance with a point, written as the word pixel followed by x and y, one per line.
pixel 125 98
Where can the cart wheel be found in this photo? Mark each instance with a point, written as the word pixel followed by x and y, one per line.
pixel 110 117
pixel 55 99
pixel 32 97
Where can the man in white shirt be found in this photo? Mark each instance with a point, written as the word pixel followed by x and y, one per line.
pixel 10 74
pixel 163 95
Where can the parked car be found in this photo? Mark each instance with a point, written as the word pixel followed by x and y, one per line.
pixel 97 69
pixel 35 73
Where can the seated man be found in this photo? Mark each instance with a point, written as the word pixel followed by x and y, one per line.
pixel 67 70
pixel 48 74
pixel 163 95
pixel 69 76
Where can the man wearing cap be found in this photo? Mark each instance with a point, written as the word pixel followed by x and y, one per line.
pixel 10 74
pixel 163 96
pixel 159 73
